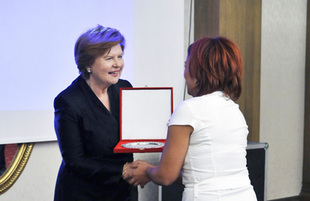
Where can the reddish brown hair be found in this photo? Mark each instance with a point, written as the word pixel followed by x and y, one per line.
pixel 217 65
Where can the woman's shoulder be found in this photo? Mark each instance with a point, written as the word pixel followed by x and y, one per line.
pixel 211 97
pixel 115 88
pixel 205 101
pixel 123 83
pixel 72 92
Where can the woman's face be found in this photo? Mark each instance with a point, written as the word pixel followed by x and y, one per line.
pixel 190 82
pixel 107 68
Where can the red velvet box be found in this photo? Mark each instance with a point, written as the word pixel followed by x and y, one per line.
pixel 144 118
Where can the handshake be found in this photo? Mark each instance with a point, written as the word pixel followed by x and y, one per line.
pixel 137 172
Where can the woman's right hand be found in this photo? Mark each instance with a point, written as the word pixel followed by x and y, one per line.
pixel 135 173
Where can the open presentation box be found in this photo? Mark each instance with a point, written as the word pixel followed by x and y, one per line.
pixel 144 118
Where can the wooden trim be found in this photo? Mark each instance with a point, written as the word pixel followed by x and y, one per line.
pixel 239 20
pixel 206 20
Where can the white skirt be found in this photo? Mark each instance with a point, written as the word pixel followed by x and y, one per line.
pixel 238 194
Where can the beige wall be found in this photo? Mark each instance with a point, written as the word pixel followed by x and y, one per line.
pixel 282 93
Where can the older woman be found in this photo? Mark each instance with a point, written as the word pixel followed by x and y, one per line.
pixel 87 122
pixel 207 134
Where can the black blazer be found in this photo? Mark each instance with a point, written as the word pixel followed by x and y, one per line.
pixel 87 133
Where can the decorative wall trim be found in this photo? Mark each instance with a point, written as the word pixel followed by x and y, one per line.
pixel 17 166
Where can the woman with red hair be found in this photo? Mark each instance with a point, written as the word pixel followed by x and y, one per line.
pixel 207 134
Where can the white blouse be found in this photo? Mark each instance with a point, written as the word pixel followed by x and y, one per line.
pixel 216 156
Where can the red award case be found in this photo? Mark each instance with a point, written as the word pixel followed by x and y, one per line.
pixel 144 118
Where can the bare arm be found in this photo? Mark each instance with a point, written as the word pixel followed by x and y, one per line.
pixel 173 156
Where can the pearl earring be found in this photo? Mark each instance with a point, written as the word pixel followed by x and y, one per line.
pixel 88 70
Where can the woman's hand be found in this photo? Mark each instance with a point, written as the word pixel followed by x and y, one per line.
pixel 135 173
pixel 170 165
